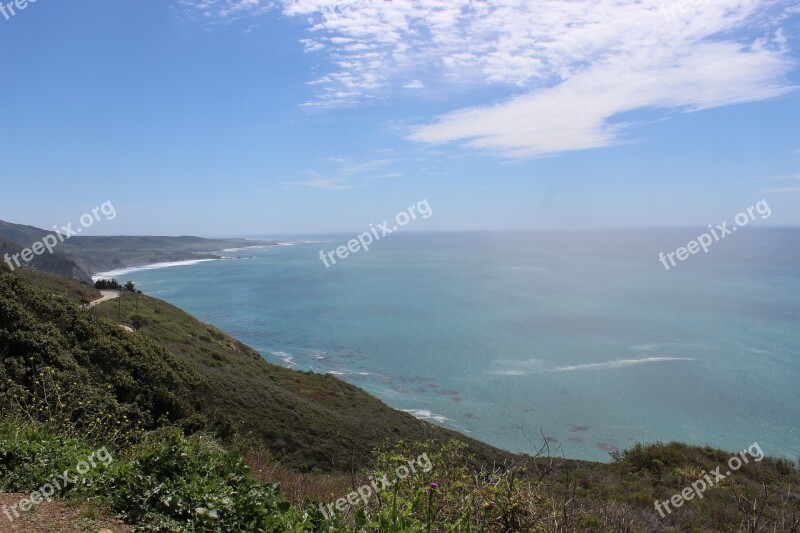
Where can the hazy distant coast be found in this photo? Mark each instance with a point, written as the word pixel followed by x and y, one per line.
pixel 83 257
pixel 193 260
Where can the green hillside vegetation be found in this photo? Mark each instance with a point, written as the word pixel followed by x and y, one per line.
pixel 63 365
pixel 310 421
pixel 72 289
pixel 201 430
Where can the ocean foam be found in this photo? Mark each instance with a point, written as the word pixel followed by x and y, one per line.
pixel 285 357
pixel 619 363
pixel 424 414
pixel 122 271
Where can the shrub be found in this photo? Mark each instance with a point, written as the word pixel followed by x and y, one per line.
pixel 32 455
pixel 451 496
pixel 173 480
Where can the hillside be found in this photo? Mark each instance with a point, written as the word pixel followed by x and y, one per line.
pixel 311 421
pixel 55 263
pixel 71 367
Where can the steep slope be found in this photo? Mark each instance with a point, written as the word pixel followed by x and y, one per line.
pixel 194 375
pixel 59 363
pixel 311 420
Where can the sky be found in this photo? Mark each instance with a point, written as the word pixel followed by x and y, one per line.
pixel 254 117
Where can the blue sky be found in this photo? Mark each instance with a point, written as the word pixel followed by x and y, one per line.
pixel 224 117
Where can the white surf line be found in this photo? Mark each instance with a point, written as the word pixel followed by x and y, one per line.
pixel 424 414
pixel 620 363
pixel 123 271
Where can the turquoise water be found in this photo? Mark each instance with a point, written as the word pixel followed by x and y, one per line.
pixel 583 336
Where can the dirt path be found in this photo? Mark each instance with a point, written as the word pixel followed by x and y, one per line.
pixel 110 295
pixel 107 295
pixel 55 517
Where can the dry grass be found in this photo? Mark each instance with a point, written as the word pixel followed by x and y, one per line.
pixel 296 487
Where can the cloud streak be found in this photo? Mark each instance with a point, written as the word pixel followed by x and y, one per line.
pixel 789 188
pixel 346 174
pixel 226 10
pixel 782 190
pixel 578 64
pixel 568 70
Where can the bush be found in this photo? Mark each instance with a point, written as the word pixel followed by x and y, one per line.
pixel 193 482
pixel 165 483
pixel 32 455
pixel 450 497
pixel 139 321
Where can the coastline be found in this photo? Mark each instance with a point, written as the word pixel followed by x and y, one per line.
pixel 152 266
pixel 109 274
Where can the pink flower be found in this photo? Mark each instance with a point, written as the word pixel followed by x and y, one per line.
pixel 434 485
pixel 490 505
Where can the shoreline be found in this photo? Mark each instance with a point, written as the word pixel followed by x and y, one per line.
pixel 109 274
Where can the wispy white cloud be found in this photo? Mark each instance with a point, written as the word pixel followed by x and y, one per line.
pixel 323 183
pixel 789 180
pixel 345 173
pixel 387 175
pixel 573 68
pixel 348 166
pixel 577 64
pixel 577 113
pixel 781 190
pixel 226 10
pixel 781 178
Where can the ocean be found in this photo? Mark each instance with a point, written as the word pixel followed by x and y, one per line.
pixel 584 337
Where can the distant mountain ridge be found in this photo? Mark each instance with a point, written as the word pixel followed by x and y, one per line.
pixel 55 263
pixel 80 257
